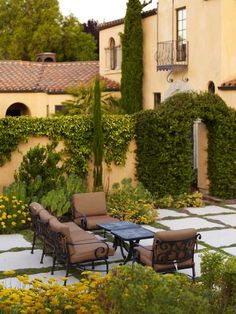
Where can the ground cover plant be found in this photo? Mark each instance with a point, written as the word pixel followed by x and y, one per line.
pixel 13 214
pixel 181 201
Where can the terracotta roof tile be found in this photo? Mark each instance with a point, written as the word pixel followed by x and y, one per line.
pixel 229 85
pixel 54 77
pixel 121 21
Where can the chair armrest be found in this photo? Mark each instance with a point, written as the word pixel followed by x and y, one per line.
pixel 85 243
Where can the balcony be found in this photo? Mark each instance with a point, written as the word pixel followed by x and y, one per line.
pixel 172 55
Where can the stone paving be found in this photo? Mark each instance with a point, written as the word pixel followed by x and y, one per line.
pixel 216 224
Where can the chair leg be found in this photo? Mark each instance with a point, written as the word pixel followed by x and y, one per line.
pixel 53 265
pixel 193 270
pixel 93 265
pixel 107 266
pixel 67 271
pixel 33 243
pixel 43 253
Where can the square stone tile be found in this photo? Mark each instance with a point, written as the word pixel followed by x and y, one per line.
pixel 10 241
pixel 13 282
pixel 151 228
pixel 230 250
pixel 170 213
pixel 212 209
pixel 231 205
pixel 219 238
pixel 191 222
pixel 225 219
pixel 23 259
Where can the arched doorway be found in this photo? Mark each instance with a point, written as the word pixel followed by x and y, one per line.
pixel 17 109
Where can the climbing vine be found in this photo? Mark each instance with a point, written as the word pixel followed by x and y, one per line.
pixel 164 145
pixel 75 131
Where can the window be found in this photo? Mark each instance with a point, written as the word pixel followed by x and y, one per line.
pixel 181 34
pixel 113 56
pixel 211 87
pixel 157 100
pixel 59 108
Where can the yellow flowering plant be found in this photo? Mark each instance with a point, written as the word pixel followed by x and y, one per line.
pixel 131 203
pixel 13 214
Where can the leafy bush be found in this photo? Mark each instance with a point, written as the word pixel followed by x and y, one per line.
pixel 40 170
pixel 141 290
pixel 181 201
pixel 124 290
pixel 219 277
pixel 13 214
pixel 57 201
pixel 130 203
pixel 17 189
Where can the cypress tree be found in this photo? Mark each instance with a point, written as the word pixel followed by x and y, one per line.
pixel 98 137
pixel 132 58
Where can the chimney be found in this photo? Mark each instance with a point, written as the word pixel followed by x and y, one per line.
pixel 46 57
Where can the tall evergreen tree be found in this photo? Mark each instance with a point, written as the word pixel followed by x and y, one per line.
pixel 132 58
pixel 98 136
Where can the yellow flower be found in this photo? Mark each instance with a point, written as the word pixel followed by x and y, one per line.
pixel 9 216
pixel 13 223
pixel 23 221
pixel 9 272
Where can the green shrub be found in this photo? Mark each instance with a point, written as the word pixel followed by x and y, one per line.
pixel 17 189
pixel 165 150
pixel 143 291
pixel 40 170
pixel 219 277
pixel 57 201
pixel 130 203
pixel 13 214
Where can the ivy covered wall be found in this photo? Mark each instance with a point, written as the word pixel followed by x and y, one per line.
pixel 163 138
pixel 77 134
pixel 164 145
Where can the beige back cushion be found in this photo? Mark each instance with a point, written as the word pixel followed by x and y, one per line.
pixel 57 226
pixel 44 215
pixel 90 204
pixel 35 208
pixel 176 235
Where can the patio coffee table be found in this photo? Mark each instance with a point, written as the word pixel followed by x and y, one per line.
pixel 125 231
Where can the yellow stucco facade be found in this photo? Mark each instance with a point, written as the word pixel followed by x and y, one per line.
pixel 38 104
pixel 211 54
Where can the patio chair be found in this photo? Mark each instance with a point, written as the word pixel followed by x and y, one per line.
pixel 171 250
pixel 89 209
pixel 34 209
pixel 74 246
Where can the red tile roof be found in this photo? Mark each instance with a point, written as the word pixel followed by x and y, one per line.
pixel 48 77
pixel 121 21
pixel 230 85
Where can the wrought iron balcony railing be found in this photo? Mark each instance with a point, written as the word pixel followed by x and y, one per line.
pixel 172 55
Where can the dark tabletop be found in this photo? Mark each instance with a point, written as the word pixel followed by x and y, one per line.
pixel 131 234
pixel 118 225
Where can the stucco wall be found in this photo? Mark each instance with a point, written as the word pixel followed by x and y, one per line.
pixel 212 48
pixel 39 104
pixel 110 174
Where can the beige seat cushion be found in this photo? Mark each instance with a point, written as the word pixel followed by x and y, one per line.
pixel 45 216
pixel 92 221
pixel 35 208
pixel 90 204
pixel 86 251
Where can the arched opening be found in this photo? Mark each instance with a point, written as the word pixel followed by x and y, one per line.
pixel 113 56
pixel 17 109
pixel 211 87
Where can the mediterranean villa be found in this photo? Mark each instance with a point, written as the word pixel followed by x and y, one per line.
pixel 188 45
